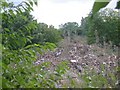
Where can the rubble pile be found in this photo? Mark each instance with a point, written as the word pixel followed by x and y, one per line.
pixel 79 56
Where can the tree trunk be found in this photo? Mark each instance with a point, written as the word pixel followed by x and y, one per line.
pixel 68 36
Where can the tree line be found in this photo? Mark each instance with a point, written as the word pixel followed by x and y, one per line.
pixel 102 28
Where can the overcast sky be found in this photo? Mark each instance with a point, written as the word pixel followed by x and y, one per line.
pixel 56 12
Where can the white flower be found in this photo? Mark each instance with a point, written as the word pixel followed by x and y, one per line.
pixel 104 63
pixel 73 61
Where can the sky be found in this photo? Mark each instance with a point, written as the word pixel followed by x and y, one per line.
pixel 56 12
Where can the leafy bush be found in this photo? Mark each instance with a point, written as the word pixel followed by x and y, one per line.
pixel 18 50
pixel 52 36
pixel 43 33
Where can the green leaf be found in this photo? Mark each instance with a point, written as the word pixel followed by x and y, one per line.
pixel 4 4
pixel 28 46
pixel 27 4
pixel 31 3
pixel 17 12
pixel 98 5
pixel 118 5
pixel 24 8
pixel 36 3
pixel 19 9
pixel 11 12
pixel 6 29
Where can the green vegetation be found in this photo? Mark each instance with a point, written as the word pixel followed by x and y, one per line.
pixel 70 29
pixel 23 38
pixel 102 28
pixel 18 48
pixel 44 33
pixel 101 4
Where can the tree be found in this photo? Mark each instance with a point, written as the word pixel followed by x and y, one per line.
pixel 104 27
pixel 18 55
pixel 70 29
pixel 85 24
pixel 38 33
pixel 52 35
pixel 44 33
